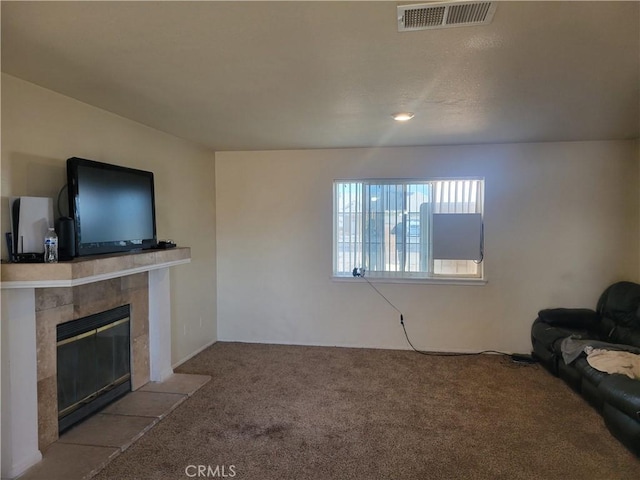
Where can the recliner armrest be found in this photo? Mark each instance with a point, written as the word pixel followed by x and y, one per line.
pixel 570 317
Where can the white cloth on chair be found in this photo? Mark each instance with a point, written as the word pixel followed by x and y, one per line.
pixel 611 361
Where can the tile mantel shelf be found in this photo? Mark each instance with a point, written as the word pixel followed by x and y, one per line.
pixel 90 269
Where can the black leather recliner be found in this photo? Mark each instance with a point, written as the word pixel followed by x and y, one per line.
pixel 616 320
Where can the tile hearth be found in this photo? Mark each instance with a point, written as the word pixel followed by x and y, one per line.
pixel 83 451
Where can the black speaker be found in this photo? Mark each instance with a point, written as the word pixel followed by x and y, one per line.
pixel 66 238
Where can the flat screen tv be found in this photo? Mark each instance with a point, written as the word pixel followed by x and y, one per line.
pixel 113 207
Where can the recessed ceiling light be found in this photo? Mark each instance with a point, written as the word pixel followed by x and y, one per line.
pixel 403 116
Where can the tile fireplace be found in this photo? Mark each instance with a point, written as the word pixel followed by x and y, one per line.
pixel 41 301
pixel 64 313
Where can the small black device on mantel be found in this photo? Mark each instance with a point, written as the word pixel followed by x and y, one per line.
pixel 165 244
pixel 113 207
pixel 66 238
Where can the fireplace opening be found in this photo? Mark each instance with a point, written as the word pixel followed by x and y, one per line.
pixel 94 364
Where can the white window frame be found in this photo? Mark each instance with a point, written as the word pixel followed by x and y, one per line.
pixel 353 221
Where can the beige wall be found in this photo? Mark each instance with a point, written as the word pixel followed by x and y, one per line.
pixel 561 223
pixel 41 129
pixel 561 220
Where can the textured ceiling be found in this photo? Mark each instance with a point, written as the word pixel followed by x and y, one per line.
pixel 281 75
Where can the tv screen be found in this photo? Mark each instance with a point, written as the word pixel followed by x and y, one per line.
pixel 112 206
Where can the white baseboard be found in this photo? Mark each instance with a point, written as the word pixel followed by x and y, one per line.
pixel 11 472
pixel 190 356
pixel 373 346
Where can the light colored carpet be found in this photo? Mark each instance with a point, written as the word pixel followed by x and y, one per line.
pixel 289 412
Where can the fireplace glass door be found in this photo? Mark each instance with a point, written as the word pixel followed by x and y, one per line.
pixel 94 364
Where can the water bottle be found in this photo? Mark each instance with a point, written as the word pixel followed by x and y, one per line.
pixel 51 247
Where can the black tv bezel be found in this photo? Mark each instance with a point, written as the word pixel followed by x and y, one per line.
pixel 117 246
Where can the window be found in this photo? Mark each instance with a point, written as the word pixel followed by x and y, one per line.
pixel 408 229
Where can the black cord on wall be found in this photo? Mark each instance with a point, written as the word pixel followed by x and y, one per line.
pixel 360 272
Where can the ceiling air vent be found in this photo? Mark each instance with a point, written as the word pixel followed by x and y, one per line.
pixel 444 15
